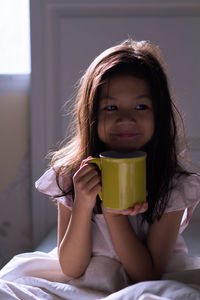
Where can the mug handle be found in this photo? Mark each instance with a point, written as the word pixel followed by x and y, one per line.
pixel 97 162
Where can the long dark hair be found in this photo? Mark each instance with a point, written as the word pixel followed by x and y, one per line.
pixel 143 60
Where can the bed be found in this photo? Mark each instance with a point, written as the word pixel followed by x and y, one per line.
pixel 37 275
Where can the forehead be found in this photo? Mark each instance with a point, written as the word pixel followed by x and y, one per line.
pixel 124 84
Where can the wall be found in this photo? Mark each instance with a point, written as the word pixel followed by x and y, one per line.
pixel 15 213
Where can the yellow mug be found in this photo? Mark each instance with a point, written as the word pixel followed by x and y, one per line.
pixel 123 177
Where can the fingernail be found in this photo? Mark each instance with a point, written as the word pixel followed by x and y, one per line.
pixel 137 206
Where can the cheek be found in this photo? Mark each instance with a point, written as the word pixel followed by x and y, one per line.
pixel 101 127
pixel 148 123
pixel 152 127
pixel 99 130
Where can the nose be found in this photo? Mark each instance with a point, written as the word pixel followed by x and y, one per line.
pixel 126 116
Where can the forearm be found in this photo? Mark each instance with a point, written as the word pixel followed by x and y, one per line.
pixel 133 253
pixel 75 247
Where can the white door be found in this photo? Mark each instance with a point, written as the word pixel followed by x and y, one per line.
pixel 66 36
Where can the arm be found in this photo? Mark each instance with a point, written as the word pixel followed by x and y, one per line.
pixel 74 242
pixel 144 260
pixel 74 228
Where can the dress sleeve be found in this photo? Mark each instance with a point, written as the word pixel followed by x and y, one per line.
pixel 47 185
pixel 184 196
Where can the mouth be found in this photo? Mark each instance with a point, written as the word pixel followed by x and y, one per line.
pixel 126 134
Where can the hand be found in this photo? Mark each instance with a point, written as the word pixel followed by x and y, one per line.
pixel 87 184
pixel 133 211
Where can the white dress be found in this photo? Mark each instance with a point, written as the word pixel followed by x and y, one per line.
pixel 185 196
pixel 38 276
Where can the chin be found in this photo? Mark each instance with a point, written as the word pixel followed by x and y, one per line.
pixel 128 150
pixel 123 149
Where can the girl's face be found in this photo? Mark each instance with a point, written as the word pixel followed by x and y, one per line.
pixel 125 113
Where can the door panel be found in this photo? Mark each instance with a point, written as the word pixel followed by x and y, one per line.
pixel 66 36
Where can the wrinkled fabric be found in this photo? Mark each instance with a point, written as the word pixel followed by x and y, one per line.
pixel 184 196
pixel 37 276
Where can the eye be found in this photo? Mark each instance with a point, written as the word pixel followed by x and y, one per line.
pixel 110 107
pixel 141 107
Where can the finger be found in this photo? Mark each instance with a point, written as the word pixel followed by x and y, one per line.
pixel 138 209
pixel 116 211
pixel 96 189
pixel 110 210
pixel 144 206
pixel 85 160
pixel 93 181
pixel 86 168
pixel 141 208
pixel 84 171
pixel 133 211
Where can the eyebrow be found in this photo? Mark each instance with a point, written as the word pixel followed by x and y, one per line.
pixel 106 98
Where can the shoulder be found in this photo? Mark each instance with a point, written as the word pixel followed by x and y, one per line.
pixel 185 192
pixel 48 184
pixel 184 196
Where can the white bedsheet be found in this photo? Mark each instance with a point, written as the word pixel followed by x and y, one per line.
pixel 37 276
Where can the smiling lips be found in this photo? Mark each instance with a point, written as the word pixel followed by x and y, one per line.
pixel 126 134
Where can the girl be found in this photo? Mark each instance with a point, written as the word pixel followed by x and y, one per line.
pixel 123 104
